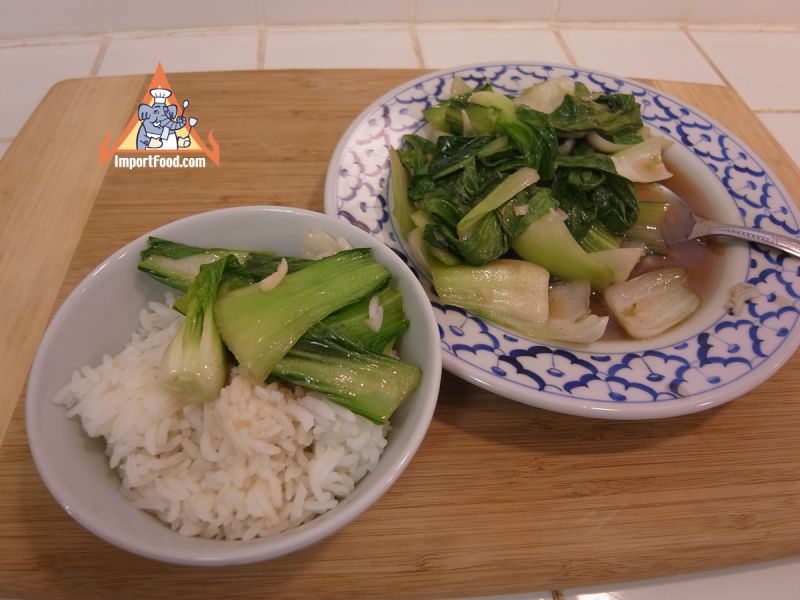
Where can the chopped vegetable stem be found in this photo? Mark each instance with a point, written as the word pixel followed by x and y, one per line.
pixel 507 189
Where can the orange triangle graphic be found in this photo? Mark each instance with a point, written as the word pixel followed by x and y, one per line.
pixel 186 137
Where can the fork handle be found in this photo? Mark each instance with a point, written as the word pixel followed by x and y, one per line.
pixel 767 238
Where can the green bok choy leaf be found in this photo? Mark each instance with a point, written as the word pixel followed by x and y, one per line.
pixel 260 327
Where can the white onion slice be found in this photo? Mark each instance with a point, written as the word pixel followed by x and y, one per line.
pixel 466 124
pixel 642 163
pixel 270 282
pixel 600 143
pixel 566 146
pixel 375 312
pixel 548 95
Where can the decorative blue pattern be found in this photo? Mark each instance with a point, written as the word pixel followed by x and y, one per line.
pixel 728 358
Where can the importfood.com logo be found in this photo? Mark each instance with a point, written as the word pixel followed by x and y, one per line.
pixel 160 134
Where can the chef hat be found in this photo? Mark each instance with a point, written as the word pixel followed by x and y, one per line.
pixel 160 95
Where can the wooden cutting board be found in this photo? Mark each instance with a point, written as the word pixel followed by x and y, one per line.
pixel 500 498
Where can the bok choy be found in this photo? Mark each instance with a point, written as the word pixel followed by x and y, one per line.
pixel 367 382
pixel 176 265
pixel 509 292
pixel 327 324
pixel 465 178
pixel 651 303
pixel 548 242
pixel 260 327
pixel 546 176
pixel 194 364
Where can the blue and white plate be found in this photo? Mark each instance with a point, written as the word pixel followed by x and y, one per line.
pixel 712 358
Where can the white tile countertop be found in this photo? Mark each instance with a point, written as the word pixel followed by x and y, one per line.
pixel 759 62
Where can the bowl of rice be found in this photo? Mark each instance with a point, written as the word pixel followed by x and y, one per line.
pixel 263 469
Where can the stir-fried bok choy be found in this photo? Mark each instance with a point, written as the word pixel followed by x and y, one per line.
pixel 369 383
pixel 261 327
pixel 194 365
pixel 177 265
pixel 651 303
pixel 545 178
pixel 328 324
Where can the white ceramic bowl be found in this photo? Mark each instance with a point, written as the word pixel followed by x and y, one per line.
pixel 100 316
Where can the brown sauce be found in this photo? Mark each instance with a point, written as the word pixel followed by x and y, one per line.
pixel 702 258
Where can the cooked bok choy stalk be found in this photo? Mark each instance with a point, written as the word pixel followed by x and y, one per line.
pixel 514 294
pixel 648 226
pixel 507 292
pixel 458 86
pixel 569 300
pixel 507 189
pixel 353 322
pixel 341 356
pixel 651 303
pixel 583 330
pixel 260 327
pixel 368 383
pixel 350 322
pixel 401 209
pixel 194 365
pixel 548 243
pixel 176 265
pixel 598 237
pixel 570 319
pixel 621 261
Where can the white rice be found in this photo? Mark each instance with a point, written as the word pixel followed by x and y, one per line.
pixel 258 460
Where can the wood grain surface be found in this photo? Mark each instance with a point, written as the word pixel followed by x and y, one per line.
pixel 500 498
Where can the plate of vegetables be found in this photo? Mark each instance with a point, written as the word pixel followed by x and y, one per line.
pixel 536 203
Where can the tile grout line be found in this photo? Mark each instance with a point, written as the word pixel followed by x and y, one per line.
pixel 101 56
pixel 412 30
pixel 685 10
pixel 261 57
pixel 373 26
pixel 704 54
pixel 777 111
pixel 555 13
pixel 727 26
pixel 49 40
pixel 617 25
pixel 564 46
pixel 135 34
pixel 185 32
pixel 240 29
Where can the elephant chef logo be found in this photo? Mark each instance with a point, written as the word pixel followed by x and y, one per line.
pixel 161 125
